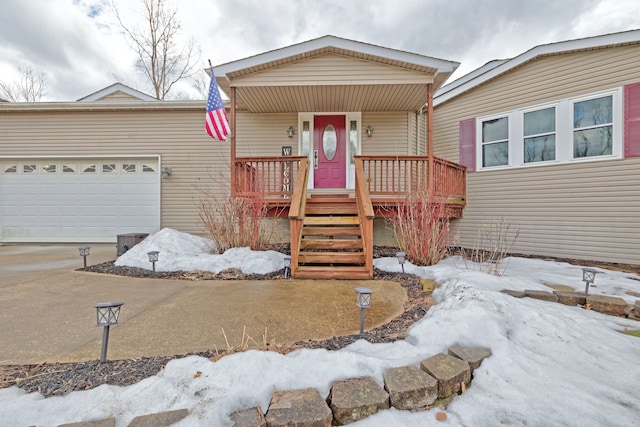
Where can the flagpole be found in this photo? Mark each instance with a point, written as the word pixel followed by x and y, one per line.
pixel 233 140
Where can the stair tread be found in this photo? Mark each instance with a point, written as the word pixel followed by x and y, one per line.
pixel 331 220
pixel 331 231
pixel 329 257
pixel 331 244
pixel 341 272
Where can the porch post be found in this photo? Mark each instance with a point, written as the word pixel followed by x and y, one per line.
pixel 232 143
pixel 429 124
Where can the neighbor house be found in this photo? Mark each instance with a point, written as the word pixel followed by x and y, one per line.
pixel 551 142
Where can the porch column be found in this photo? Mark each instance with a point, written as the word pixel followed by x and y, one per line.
pixel 429 124
pixel 232 143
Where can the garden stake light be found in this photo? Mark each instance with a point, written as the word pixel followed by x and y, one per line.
pixel 363 300
pixel 401 256
pixel 588 277
pixel 153 258
pixel 287 266
pixel 84 252
pixel 107 314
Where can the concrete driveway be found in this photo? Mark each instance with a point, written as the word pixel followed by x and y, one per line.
pixel 48 312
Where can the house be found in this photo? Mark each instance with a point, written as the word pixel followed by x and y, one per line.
pixel 551 142
pixel 329 130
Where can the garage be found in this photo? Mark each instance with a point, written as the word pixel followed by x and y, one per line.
pixel 78 199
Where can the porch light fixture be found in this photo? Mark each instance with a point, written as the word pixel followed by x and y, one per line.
pixel 107 314
pixel 363 300
pixel 290 132
pixel 153 258
pixel 287 266
pixel 588 277
pixel 84 252
pixel 401 258
pixel 369 131
pixel 166 172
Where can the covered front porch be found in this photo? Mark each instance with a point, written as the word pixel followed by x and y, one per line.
pixel 361 142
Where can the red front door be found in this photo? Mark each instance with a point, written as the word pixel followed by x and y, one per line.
pixel 329 152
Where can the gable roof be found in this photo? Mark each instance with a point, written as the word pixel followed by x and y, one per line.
pixel 496 68
pixel 117 89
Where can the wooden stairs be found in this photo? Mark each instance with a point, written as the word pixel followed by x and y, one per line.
pixel 331 240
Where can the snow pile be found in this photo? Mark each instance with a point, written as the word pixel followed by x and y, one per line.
pixel 551 364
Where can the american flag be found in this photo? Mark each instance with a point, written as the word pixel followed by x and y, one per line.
pixel 216 123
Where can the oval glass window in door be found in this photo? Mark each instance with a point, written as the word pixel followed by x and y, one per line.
pixel 329 142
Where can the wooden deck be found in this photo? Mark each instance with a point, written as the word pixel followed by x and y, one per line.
pixel 332 232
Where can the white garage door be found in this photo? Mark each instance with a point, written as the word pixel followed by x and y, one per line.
pixel 78 200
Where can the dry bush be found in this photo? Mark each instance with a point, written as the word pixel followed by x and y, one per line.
pixel 420 225
pixel 494 242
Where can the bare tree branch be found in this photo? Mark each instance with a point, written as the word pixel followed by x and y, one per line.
pixel 29 87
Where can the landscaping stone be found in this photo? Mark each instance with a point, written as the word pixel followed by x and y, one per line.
pixel 541 295
pixel 300 408
pixel 410 388
pixel 252 417
pixel 356 398
pixel 161 419
pixel 517 294
pixel 607 304
pixel 472 355
pixel 107 422
pixel 449 371
pixel 571 298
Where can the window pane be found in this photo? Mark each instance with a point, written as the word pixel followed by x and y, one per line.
pixel 11 169
pixel 29 169
pixel 592 112
pixel 495 154
pixel 148 168
pixel 129 167
pixel 329 142
pixel 353 140
pixel 306 138
pixel 68 169
pixel 49 168
pixel 495 130
pixel 541 121
pixel 540 149
pixel 108 167
pixel 593 142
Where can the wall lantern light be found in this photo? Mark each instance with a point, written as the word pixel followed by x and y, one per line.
pixel 290 132
pixel 84 252
pixel 153 258
pixel 107 314
pixel 369 131
pixel 287 266
pixel 363 300
pixel 166 172
pixel 401 258
pixel 588 277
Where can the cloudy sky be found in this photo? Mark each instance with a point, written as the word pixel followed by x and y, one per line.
pixel 80 48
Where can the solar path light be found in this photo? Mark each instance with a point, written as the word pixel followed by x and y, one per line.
pixel 401 257
pixel 84 252
pixel 287 266
pixel 588 277
pixel 363 300
pixel 153 258
pixel 107 314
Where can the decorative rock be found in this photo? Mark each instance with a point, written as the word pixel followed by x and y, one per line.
pixel 107 422
pixel 410 388
pixel 571 298
pixel 356 398
pixel 449 371
pixel 301 408
pixel 161 419
pixel 517 294
pixel 472 355
pixel 441 416
pixel 608 305
pixel 252 417
pixel 541 295
pixel 638 306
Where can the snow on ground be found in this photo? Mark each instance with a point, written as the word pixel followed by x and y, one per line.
pixel 551 364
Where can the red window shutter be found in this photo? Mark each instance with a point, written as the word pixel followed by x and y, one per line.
pixel 468 144
pixel 632 120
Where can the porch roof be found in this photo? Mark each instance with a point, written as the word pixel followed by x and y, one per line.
pixel 332 74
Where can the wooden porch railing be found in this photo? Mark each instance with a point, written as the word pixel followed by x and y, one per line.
pixel 266 177
pixel 365 213
pixel 394 176
pixel 297 210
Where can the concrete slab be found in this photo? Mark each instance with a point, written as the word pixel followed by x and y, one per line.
pixel 48 313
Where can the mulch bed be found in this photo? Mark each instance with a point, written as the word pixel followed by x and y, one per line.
pixel 55 379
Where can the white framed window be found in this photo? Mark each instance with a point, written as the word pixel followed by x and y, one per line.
pixel 10 168
pixel 109 168
pixel 584 128
pixel 49 168
pixel 29 168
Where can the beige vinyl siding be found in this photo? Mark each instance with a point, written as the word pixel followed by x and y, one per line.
pixel 586 210
pixel 178 136
pixel 118 97
pixel 332 69
pixel 391 133
pixel 262 135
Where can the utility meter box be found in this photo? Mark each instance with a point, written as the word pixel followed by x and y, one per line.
pixel 127 241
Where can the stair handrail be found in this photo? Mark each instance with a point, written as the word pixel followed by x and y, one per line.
pixel 297 212
pixel 365 214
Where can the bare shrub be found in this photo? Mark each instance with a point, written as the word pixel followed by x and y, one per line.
pixel 494 242
pixel 420 225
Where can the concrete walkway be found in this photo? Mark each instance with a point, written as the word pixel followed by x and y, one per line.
pixel 48 309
